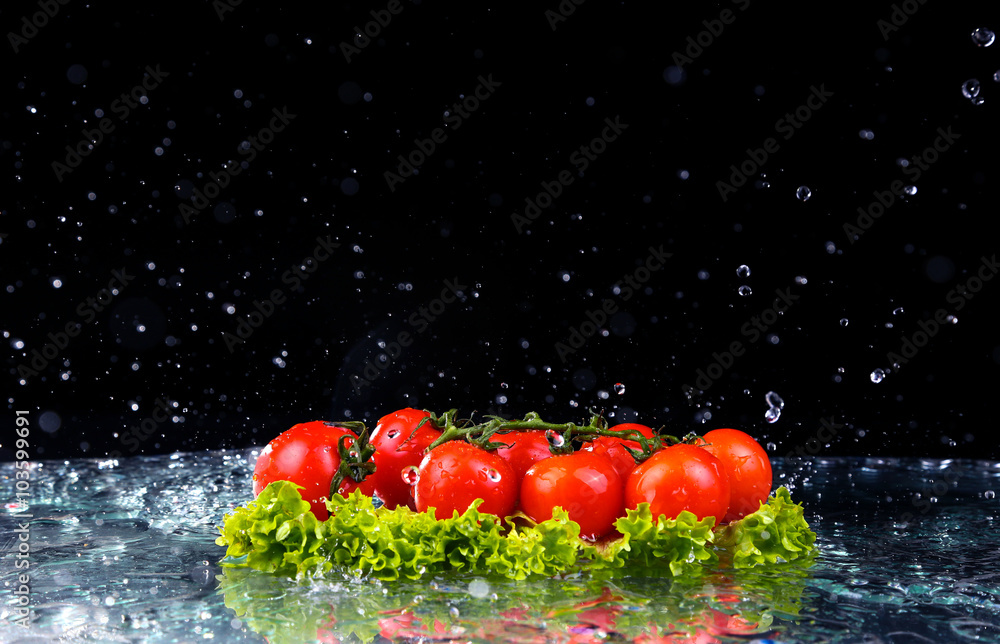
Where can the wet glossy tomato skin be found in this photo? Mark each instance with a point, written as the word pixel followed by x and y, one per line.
pixel 677 478
pixel 583 484
pixel 747 466
pixel 397 448
pixel 307 455
pixel 614 448
pixel 454 474
pixel 526 449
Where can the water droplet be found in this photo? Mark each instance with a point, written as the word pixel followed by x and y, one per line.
pixel 801 280
pixel 410 475
pixel 951 319
pixel 803 193
pixel 744 290
pixel 453 611
pixel 393 433
pixel 619 388
pixel 910 190
pixel 554 438
pixel 866 134
pixel 764 534
pixel 831 247
pixel 774 400
pixel 771 447
pixel 772 415
pixel 897 311
pixel 844 321
pixel 989 494
pixel 743 271
pixel 970 88
pixel 996 76
pixel 493 475
pixel 479 588
pixel 983 37
pixel 503 385
pixel 878 376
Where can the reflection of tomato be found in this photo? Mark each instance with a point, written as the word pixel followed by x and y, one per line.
pixel 454 474
pixel 526 449
pixel 680 477
pixel 307 455
pixel 747 466
pixel 398 447
pixel 614 448
pixel 584 484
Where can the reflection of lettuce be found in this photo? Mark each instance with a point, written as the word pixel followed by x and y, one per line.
pixel 277 533
pixel 741 602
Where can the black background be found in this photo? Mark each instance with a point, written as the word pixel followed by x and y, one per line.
pixel 495 350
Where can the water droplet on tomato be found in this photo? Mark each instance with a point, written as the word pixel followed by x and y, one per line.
pixel 410 475
pixel 493 475
pixel 554 438
pixel 392 433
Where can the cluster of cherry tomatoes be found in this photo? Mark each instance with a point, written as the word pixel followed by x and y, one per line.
pixel 724 474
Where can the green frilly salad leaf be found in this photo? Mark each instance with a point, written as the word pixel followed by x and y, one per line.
pixel 277 533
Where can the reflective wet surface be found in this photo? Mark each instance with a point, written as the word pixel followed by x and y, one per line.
pixel 125 552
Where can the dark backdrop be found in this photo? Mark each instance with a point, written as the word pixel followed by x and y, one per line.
pixel 483 286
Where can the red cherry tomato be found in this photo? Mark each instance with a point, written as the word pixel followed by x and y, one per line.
pixel 455 474
pixel 614 448
pixel 397 448
pixel 584 484
pixel 747 466
pixel 307 455
pixel 526 449
pixel 680 477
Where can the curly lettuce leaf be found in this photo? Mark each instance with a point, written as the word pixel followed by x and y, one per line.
pixel 679 543
pixel 775 533
pixel 277 533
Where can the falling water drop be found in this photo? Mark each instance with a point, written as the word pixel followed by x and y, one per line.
pixel 878 376
pixel 970 88
pixel 743 271
pixel 774 400
pixel 619 388
pixel 983 37
pixel 772 414
pixel 803 193
pixel 744 291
